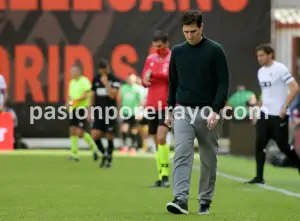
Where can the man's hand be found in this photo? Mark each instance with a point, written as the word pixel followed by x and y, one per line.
pixel 169 120
pixel 283 112
pixel 71 104
pixel 147 77
pixel 104 80
pixel 68 105
pixel 212 121
pixel 253 121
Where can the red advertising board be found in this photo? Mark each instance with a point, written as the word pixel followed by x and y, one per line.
pixel 6 132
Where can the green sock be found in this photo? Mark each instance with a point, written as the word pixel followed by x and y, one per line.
pixel 158 165
pixel 164 152
pixel 74 146
pixel 89 140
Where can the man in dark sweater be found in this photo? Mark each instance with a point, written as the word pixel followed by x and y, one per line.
pixel 198 87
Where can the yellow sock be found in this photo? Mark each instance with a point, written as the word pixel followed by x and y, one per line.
pixel 158 165
pixel 145 147
pixel 74 146
pixel 164 152
pixel 89 140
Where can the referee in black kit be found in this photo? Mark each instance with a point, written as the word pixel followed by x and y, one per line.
pixel 198 80
pixel 278 90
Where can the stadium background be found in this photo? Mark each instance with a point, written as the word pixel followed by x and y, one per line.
pixel 41 40
pixel 37 48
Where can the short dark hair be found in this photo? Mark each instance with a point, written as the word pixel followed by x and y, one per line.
pixel 77 64
pixel 103 64
pixel 160 36
pixel 267 48
pixel 192 17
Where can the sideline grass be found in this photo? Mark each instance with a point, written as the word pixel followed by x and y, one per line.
pixel 41 185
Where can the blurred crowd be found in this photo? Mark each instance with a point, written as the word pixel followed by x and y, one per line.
pixel 242 97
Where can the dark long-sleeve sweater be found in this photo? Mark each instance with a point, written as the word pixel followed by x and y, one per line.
pixel 198 75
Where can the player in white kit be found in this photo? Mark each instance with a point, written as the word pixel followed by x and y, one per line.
pixel 275 81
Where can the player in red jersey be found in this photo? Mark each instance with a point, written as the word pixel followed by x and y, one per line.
pixel 156 77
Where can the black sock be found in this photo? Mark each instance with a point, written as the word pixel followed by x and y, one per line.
pixel 110 150
pixel 294 158
pixel 260 162
pixel 139 140
pixel 124 137
pixel 99 145
pixel 134 139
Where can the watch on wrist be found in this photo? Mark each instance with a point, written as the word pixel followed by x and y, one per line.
pixel 285 106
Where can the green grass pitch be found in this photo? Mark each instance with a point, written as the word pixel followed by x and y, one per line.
pixel 43 186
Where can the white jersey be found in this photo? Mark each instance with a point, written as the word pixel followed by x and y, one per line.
pixel 143 93
pixel 274 80
pixel 2 88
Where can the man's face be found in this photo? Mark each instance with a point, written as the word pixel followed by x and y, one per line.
pixel 192 33
pixel 131 79
pixel 75 72
pixel 103 71
pixel 241 88
pixel 159 45
pixel 263 58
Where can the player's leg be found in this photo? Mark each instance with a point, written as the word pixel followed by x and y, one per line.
pixel 91 142
pixel 110 149
pixel 74 143
pixel 263 135
pixel 85 135
pixel 143 131
pixel 74 137
pixel 153 125
pixel 163 149
pixel 109 129
pixel 96 136
pixel 97 131
pixel 125 135
pixel 281 137
pixel 134 136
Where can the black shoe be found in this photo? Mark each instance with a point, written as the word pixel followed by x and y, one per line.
pixel 108 165
pixel 156 184
pixel 96 156
pixel 165 182
pixel 74 159
pixel 256 180
pixel 204 209
pixel 177 207
pixel 103 161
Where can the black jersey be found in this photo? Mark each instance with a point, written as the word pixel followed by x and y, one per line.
pixel 101 95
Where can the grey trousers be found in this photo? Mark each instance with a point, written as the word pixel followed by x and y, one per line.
pixel 185 133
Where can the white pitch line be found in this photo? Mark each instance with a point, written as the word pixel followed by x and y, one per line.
pixel 279 190
pixel 264 186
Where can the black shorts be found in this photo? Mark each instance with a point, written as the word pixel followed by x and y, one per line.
pixel 155 120
pixel 131 121
pixel 143 121
pixel 78 117
pixel 104 123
